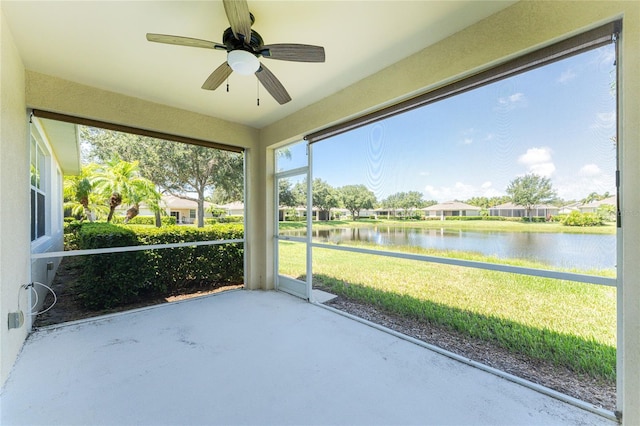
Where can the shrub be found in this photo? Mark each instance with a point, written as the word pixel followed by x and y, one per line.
pixel 195 267
pixel 71 228
pixel 464 218
pixel 496 218
pixel 559 218
pixel 145 220
pixel 116 279
pixel 224 219
pixel 534 219
pixel 216 212
pixel 575 218
pixel 113 279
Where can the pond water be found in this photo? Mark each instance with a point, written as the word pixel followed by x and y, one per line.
pixel 582 251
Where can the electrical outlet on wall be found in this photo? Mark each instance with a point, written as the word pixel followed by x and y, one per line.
pixel 16 319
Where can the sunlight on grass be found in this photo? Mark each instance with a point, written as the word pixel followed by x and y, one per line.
pixel 567 322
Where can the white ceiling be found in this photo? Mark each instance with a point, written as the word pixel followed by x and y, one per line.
pixel 103 44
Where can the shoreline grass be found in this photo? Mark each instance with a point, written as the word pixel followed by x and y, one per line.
pixel 571 324
pixel 465 225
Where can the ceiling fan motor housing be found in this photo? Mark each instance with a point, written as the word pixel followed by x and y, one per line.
pixel 232 43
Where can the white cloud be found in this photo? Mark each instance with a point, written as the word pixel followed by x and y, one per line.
pixel 566 76
pixel 579 186
pixel 486 185
pixel 538 161
pixel 512 101
pixel 590 170
pixel 467 141
pixel 535 156
pixel 543 169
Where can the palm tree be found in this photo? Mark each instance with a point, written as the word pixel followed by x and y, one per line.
pixel 80 195
pixel 120 182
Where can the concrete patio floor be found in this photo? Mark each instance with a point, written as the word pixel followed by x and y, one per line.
pixel 255 358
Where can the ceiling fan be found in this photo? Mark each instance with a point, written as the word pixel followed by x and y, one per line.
pixel 244 46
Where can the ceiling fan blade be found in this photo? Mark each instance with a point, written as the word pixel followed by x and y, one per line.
pixel 273 85
pixel 294 52
pixel 184 41
pixel 239 18
pixel 217 77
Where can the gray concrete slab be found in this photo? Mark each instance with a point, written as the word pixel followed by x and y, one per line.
pixel 255 358
pixel 320 296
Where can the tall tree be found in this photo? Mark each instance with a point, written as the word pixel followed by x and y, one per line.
pixel 530 190
pixel 356 198
pixel 411 200
pixel 482 202
pixel 286 197
pixel 406 201
pixel 392 202
pixel 198 170
pixel 324 196
pixel 185 171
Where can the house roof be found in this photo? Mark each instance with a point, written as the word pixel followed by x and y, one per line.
pixel 234 205
pixel 65 143
pixel 174 202
pixel 451 206
pixel 80 42
pixel 612 201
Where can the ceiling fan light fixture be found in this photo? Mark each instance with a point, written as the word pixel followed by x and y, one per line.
pixel 243 62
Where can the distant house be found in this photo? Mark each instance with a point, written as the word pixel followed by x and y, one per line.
pixel 384 212
pixel 569 208
pixel 185 211
pixel 451 208
pixel 593 206
pixel 513 210
pixel 235 208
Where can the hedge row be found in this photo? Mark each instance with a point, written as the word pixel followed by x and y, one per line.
pixel 223 219
pixel 145 220
pixel 116 279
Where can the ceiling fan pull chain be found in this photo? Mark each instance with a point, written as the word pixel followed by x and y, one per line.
pixel 258 92
pixel 227 84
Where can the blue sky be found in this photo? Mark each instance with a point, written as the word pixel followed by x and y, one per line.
pixel 556 121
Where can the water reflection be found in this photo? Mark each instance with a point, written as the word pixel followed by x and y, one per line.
pixel 583 251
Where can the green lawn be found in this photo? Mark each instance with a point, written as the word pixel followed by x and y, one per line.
pixel 568 323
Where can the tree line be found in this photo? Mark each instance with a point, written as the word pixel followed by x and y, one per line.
pixel 354 198
pixel 116 165
pixel 127 169
pixel 527 191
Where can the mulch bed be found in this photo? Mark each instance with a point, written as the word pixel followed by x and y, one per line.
pixel 596 392
pixel 68 307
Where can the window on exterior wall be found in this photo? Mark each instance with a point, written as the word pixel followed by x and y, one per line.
pixel 192 214
pixel 38 188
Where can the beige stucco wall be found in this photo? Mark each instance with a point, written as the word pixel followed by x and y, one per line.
pixel 57 95
pixel 521 28
pixel 14 173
